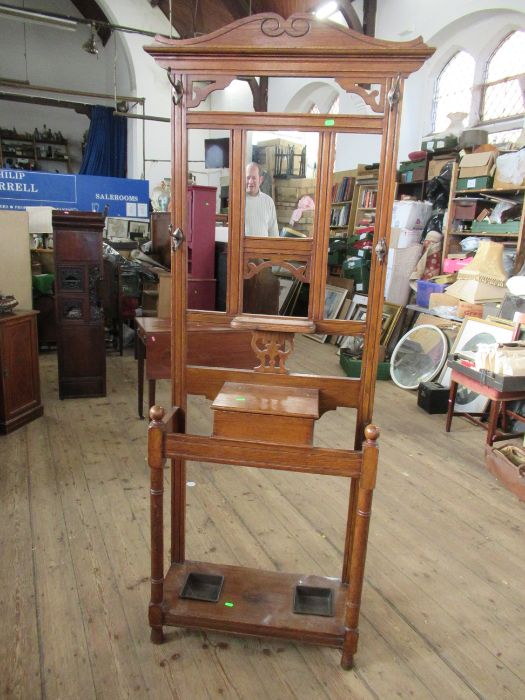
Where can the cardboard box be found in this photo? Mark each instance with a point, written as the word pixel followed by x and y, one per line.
pixel 477 164
pixel 466 309
pixel 411 215
pixel 441 299
pixel 400 265
pixel 436 165
pixel 500 184
pixel 404 237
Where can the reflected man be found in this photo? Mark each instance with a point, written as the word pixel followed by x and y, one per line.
pixel 260 217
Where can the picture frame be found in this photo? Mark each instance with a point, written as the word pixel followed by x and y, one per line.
pixel 285 285
pixel 138 229
pixel 116 228
pixel 472 332
pixel 357 300
pixel 390 317
pixel 334 298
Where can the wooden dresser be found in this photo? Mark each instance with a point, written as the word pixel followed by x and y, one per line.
pixel 19 376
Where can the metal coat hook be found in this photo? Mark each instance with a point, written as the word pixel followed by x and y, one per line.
pixel 393 93
pixel 381 250
pixel 177 88
pixel 176 238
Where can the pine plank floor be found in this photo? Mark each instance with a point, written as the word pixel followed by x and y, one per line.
pixel 444 600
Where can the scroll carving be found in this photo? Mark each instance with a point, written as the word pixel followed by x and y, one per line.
pixel 201 92
pixel 294 26
pixel 272 349
pixel 375 99
pixel 299 272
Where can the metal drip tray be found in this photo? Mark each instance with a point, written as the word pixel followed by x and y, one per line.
pixel 202 587
pixel 311 600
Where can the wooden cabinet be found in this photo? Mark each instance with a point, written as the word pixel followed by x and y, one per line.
pixel 265 417
pixel 19 374
pixel 77 240
pixel 466 206
pixel 200 236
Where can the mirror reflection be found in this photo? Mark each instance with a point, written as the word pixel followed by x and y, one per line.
pixel 274 290
pixel 207 229
pixel 352 221
pixel 281 173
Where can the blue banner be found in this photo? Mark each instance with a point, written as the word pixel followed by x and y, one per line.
pixel 23 188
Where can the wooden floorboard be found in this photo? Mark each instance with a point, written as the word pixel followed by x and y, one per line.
pixel 443 601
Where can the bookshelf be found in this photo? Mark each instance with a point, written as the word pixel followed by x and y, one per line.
pixel 341 203
pixel 363 204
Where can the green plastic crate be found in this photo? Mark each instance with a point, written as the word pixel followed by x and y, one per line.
pixel 474 183
pixel 352 367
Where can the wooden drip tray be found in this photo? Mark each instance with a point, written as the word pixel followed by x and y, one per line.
pixel 258 603
pixel 272 414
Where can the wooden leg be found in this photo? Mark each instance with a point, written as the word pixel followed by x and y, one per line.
pixel 157 635
pixel 495 407
pixel 451 404
pixel 141 352
pixel 504 421
pixel 151 392
pixel 347 660
pixel 156 464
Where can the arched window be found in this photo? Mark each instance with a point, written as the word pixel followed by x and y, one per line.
pixel 333 109
pixel 453 91
pixel 503 92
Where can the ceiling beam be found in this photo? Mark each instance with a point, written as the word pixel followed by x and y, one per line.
pixel 92 10
pixel 369 17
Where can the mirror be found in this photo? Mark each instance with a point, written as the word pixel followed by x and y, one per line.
pixel 419 356
pixel 207 227
pixel 353 197
pixel 281 175
pixel 274 290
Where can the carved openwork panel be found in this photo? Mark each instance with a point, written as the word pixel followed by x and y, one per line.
pixel 72 310
pixel 273 350
pixel 202 86
pixel 373 95
pixel 71 279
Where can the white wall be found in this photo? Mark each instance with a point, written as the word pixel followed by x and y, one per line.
pixel 54 58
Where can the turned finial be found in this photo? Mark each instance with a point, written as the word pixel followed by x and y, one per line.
pixel 156 414
pixel 371 433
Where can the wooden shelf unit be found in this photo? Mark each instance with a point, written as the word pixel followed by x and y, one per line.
pixel 251 601
pixel 363 203
pixel 25 150
pixel 452 236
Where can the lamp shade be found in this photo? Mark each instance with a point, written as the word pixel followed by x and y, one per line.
pixel 483 279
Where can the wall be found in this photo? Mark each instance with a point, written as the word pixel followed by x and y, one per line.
pixel 54 58
pixel 15 260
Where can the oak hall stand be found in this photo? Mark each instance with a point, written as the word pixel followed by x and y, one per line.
pixel 251 405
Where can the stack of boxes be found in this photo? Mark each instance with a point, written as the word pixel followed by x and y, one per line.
pixel 476 171
pixel 357 264
pixel 408 221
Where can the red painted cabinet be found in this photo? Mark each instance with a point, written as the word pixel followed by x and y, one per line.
pixel 200 235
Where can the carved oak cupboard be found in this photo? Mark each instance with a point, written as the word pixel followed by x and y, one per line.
pixel 266 417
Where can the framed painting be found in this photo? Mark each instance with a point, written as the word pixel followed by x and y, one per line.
pixel 389 321
pixel 474 331
pixel 333 300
